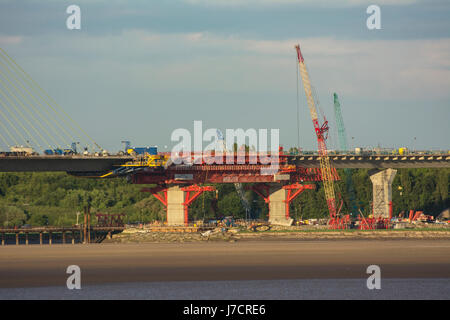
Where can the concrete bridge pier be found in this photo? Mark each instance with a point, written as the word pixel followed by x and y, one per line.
pixel 175 207
pixel 277 204
pixel 177 200
pixel 382 193
pixel 278 197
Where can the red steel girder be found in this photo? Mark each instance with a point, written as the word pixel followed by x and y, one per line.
pixel 236 157
pixel 188 199
pixel 293 191
pixel 262 190
pixel 225 174
pixel 155 192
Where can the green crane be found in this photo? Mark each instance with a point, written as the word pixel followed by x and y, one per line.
pixel 343 147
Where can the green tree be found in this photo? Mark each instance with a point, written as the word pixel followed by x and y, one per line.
pixel 11 216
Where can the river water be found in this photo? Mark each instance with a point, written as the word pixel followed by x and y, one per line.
pixel 246 290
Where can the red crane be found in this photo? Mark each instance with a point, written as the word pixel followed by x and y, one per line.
pixel 322 134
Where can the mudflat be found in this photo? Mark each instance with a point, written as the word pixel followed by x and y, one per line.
pixel 35 265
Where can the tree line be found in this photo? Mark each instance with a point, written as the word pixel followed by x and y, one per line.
pixel 40 199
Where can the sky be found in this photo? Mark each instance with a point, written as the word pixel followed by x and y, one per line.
pixel 138 70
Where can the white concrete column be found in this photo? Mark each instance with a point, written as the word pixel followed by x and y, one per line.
pixel 382 192
pixel 175 207
pixel 277 204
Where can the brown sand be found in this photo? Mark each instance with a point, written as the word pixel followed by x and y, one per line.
pixel 26 266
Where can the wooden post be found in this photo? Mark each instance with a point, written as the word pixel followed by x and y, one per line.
pixel 26 238
pixel 85 225
pixel 17 238
pixel 89 225
pixel 40 238
pixel 50 238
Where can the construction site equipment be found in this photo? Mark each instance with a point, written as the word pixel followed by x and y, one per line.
pixel 371 222
pixel 143 151
pixel 344 147
pixel 259 226
pixel 126 145
pixel 321 133
pixel 22 149
pixel 419 216
pixel 148 159
pixel 402 151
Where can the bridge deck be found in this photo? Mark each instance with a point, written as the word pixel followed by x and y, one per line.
pixel 85 165
pixel 61 163
pixel 376 161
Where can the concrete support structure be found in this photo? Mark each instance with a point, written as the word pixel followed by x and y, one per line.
pixel 177 200
pixel 279 197
pixel 277 204
pixel 382 193
pixel 175 207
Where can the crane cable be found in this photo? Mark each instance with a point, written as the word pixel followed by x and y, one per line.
pixel 34 83
pixel 298 111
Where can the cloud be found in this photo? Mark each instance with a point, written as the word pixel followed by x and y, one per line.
pixel 391 69
pixel 7 40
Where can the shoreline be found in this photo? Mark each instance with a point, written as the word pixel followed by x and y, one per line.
pixel 38 266
pixel 142 236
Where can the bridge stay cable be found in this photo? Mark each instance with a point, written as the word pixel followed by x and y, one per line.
pixel 6 128
pixel 23 115
pixel 4 140
pixel 52 104
pixel 18 72
pixel 30 113
pixel 17 120
pixel 58 124
pixel 14 127
pixel 40 114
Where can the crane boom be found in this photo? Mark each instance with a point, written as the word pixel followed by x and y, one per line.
pixel 340 124
pixel 344 147
pixel 321 133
